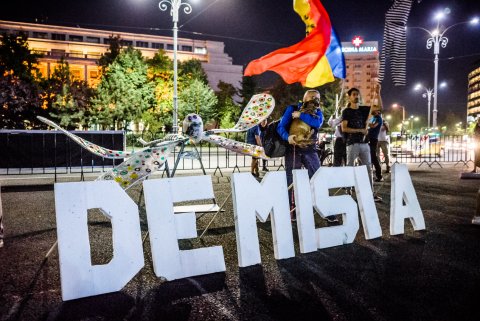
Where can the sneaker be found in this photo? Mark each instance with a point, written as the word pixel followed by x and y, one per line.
pixel 377 198
pixel 378 179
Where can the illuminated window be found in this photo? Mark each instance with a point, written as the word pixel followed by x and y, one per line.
pixel 93 74
pixel 201 50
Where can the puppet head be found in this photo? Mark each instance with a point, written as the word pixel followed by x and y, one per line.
pixel 193 127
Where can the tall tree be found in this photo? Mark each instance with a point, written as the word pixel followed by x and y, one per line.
pixel 124 92
pixel 192 69
pixel 248 89
pixel 285 95
pixel 68 98
pixel 16 58
pixel 197 98
pixel 226 112
pixel 114 49
pixel 20 103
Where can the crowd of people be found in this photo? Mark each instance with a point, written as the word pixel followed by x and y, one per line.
pixel 360 135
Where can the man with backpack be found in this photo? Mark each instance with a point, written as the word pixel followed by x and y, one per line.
pixel 298 152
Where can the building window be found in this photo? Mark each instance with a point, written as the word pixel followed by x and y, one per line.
pixel 187 48
pixel 93 74
pixel 201 50
pixel 156 45
pixel 126 43
pixel 142 44
pixel 75 38
pixel 170 46
pixel 92 39
pixel 58 36
pixel 40 35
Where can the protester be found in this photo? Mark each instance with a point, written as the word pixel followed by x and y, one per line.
pixel 354 125
pixel 383 145
pixel 299 151
pixel 253 137
pixel 374 126
pixel 263 128
pixel 339 146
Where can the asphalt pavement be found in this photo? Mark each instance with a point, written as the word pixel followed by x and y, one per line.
pixel 420 275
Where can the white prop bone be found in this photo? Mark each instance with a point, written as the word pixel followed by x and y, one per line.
pixel 403 191
pixel 79 277
pixel 166 228
pixel 252 200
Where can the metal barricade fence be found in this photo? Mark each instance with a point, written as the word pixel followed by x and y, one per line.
pixel 51 152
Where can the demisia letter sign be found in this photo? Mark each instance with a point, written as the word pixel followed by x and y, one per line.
pixel 251 200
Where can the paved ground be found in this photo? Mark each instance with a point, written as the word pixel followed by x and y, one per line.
pixel 429 275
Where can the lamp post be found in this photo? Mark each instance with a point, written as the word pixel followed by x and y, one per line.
pixel 427 94
pixel 175 6
pixel 436 40
pixel 403 114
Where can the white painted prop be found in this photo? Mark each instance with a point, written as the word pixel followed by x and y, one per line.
pixel 366 204
pixel 166 228
pixel 328 178
pixel 403 191
pixel 304 210
pixel 79 278
pixel 252 200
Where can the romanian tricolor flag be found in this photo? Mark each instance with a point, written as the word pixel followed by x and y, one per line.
pixel 315 60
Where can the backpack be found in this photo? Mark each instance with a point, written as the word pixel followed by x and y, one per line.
pixel 273 144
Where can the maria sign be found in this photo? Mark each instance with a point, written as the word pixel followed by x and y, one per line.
pixel 251 201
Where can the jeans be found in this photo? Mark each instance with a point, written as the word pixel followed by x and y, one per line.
pixel 373 157
pixel 294 159
pixel 339 152
pixel 362 151
pixel 383 145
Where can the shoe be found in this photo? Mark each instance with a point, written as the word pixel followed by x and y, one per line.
pixel 388 170
pixel 377 198
pixel 265 169
pixel 255 175
pixel 378 179
pixel 1 243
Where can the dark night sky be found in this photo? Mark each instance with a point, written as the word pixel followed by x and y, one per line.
pixel 252 28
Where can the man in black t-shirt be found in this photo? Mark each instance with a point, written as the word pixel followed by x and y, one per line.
pixel 354 123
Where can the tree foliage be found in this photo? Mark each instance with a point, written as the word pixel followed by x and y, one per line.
pixel 114 49
pixel 16 58
pixel 197 98
pixel 20 103
pixel 248 89
pixel 68 99
pixel 226 111
pixel 124 92
pixel 192 69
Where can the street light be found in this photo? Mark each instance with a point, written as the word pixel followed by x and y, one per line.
pixel 175 6
pixel 436 40
pixel 403 114
pixel 428 94
pixel 412 119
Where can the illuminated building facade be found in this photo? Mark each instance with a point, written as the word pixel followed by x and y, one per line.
pixel 473 102
pixel 362 62
pixel 82 48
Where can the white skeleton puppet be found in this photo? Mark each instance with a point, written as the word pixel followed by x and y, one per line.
pixel 139 165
